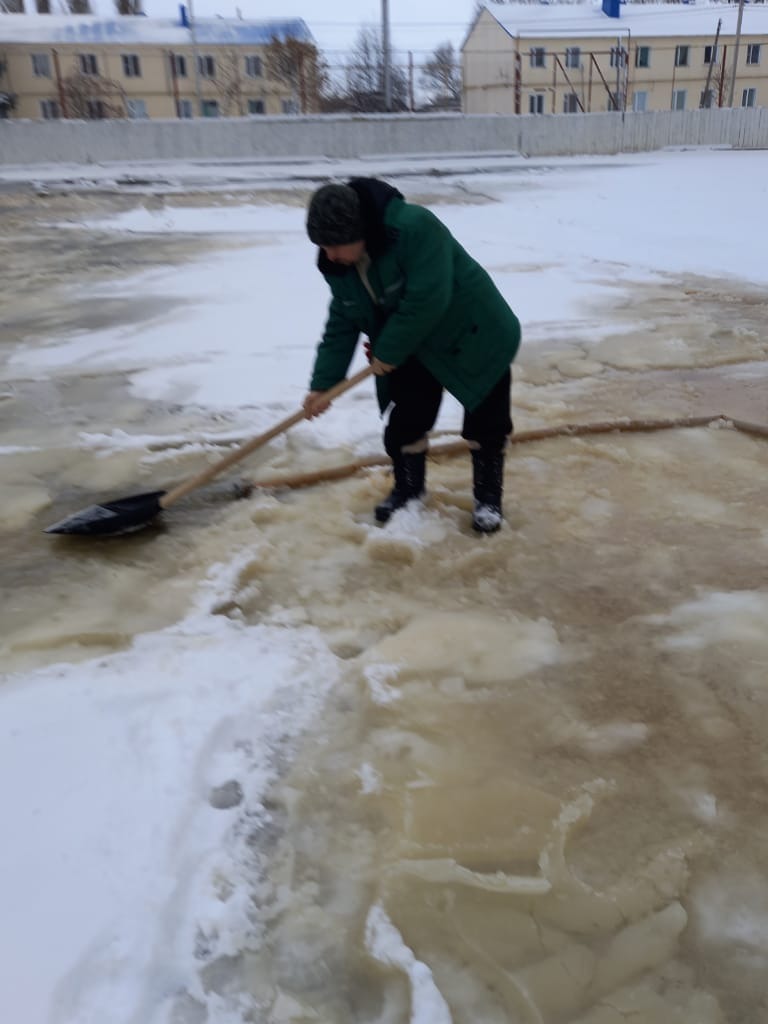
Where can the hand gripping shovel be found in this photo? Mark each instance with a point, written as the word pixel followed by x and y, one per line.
pixel 126 515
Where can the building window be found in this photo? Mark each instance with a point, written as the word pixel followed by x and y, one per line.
pixel 710 55
pixel 88 64
pixel 640 102
pixel 618 56
pixel 538 57
pixel 753 53
pixel 253 67
pixel 290 107
pixel 210 108
pixel 41 65
pixel 256 107
pixel 184 108
pixel 49 110
pixel 536 103
pixel 206 65
pixel 178 65
pixel 136 108
pixel 681 56
pixel 678 99
pixel 573 57
pixel 643 57
pixel 94 109
pixel 570 103
pixel 131 65
pixel 748 97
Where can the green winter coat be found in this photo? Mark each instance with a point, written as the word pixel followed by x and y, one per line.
pixel 433 301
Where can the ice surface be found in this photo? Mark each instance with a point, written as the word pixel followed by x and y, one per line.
pixel 535 761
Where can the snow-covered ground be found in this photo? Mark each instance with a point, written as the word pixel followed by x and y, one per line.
pixel 144 869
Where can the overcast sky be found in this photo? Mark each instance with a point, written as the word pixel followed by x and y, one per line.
pixel 416 25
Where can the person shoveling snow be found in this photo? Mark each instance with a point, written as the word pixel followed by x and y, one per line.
pixel 435 321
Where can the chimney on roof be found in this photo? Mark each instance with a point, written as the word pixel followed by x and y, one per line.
pixel 183 16
pixel 611 8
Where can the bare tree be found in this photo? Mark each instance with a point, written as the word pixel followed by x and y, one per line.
pixel 229 84
pixel 8 102
pixel 8 99
pixel 300 66
pixel 364 69
pixel 441 78
pixel 720 78
pixel 91 97
pixel 365 75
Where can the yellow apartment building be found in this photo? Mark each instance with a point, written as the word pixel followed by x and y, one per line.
pixel 554 58
pixel 73 66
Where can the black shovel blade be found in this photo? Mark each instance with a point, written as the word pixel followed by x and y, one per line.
pixel 113 518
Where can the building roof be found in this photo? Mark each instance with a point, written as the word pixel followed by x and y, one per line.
pixel 643 20
pixel 81 30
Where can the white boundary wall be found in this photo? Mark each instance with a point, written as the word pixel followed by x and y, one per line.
pixel 38 142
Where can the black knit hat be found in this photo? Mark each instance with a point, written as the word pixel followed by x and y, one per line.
pixel 334 216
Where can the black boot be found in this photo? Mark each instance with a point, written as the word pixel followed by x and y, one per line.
pixel 488 477
pixel 409 469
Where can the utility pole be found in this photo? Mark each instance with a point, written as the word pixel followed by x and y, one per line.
pixel 195 59
pixel 706 96
pixel 736 53
pixel 387 55
pixel 619 56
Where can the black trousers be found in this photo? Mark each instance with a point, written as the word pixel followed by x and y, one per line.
pixel 416 396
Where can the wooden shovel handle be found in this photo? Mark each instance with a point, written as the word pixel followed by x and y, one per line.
pixel 250 446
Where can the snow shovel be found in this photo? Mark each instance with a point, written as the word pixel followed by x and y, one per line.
pixel 126 515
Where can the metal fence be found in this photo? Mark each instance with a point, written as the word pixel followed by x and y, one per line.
pixel 350 136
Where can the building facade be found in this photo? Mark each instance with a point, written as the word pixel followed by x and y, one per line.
pixel 583 57
pixel 73 66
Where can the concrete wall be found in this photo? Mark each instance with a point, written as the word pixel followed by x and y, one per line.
pixel 33 142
